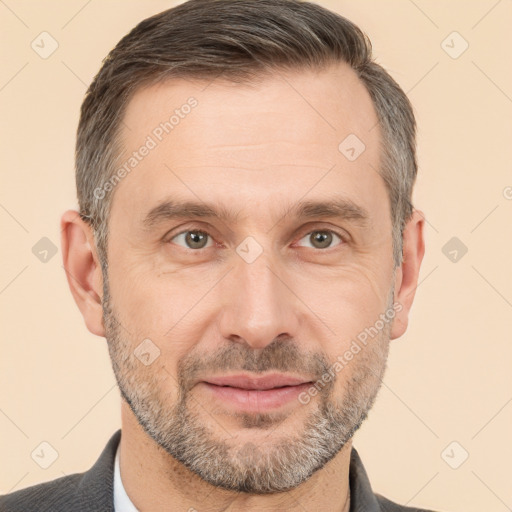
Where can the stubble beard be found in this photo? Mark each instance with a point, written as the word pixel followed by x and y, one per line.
pixel 278 463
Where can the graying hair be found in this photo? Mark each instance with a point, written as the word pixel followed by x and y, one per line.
pixel 242 40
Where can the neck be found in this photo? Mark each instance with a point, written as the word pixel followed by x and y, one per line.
pixel 154 480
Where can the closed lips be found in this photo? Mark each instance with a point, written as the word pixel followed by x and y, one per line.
pixel 257 383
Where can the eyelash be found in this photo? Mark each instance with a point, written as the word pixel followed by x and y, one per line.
pixel 343 238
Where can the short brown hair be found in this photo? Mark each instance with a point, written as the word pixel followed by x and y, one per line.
pixel 240 40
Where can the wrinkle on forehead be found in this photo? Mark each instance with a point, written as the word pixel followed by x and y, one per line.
pixel 254 144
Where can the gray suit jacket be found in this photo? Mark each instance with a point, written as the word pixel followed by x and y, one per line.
pixel 92 491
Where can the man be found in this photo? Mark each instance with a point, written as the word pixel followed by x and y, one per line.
pixel 247 245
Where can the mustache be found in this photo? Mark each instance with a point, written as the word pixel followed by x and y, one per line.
pixel 281 355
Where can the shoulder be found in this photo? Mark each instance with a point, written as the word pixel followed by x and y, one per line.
pixel 390 506
pixel 79 492
pixel 59 494
pixel 362 496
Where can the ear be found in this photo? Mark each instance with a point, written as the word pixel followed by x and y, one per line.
pixel 83 269
pixel 406 278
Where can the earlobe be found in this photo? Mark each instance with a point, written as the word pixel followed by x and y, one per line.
pixel 83 270
pixel 406 278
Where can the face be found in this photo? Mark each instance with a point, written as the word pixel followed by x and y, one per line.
pixel 250 273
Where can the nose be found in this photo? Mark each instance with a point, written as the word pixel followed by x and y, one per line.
pixel 258 304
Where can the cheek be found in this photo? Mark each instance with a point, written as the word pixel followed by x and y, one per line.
pixel 350 304
pixel 172 313
pixel 146 302
pixel 347 300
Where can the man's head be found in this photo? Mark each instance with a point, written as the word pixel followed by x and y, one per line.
pixel 242 42
pixel 253 170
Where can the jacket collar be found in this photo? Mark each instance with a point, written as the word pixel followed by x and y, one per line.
pixel 96 488
pixel 362 498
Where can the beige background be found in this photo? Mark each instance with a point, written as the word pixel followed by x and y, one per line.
pixel 449 378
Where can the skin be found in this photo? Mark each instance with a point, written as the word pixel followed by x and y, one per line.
pixel 257 149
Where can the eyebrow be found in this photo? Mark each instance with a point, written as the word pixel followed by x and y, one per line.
pixel 340 208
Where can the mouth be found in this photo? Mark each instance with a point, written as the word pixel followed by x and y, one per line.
pixel 256 394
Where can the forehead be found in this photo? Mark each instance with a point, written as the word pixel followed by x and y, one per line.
pixel 254 143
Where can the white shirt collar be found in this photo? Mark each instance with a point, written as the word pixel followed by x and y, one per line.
pixel 122 502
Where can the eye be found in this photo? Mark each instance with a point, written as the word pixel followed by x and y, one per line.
pixel 321 238
pixel 193 239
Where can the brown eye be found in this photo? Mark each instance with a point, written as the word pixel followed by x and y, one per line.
pixel 321 239
pixel 193 239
